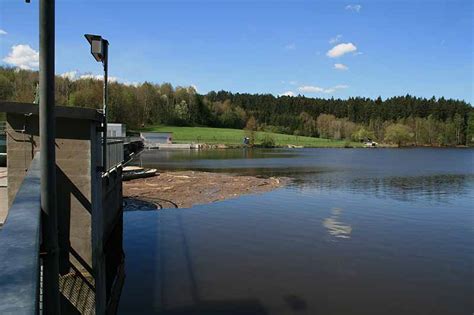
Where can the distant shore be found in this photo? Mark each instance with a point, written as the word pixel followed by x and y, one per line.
pixel 223 138
pixel 226 137
pixel 219 146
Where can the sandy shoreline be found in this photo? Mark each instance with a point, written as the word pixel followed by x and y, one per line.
pixel 183 189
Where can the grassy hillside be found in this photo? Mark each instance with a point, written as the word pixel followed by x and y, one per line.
pixel 235 137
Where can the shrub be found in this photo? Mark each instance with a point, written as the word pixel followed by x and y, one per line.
pixel 268 141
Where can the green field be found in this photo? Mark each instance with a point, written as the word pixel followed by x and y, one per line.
pixel 233 137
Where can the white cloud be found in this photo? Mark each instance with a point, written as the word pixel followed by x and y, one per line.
pixel 23 57
pixel 99 77
pixel 317 89
pixel 287 93
pixel 2 32
pixel 135 84
pixel 335 39
pixel 291 46
pixel 354 7
pixel 74 75
pixel 71 75
pixel 340 66
pixel 313 89
pixel 90 76
pixel 341 49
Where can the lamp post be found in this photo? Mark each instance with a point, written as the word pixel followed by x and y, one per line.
pixel 100 51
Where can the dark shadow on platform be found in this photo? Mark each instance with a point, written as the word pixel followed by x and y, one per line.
pixel 230 307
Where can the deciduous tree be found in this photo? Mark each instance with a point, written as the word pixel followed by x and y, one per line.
pixel 398 134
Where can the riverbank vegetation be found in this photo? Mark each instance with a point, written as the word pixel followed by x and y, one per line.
pixel 403 120
pixel 234 137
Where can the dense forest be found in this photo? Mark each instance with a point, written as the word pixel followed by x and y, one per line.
pixel 402 120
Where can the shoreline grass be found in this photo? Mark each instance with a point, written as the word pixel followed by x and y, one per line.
pixel 234 137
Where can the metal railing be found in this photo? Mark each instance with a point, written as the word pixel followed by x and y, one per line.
pixel 115 154
pixel 3 127
pixel 3 140
pixel 19 248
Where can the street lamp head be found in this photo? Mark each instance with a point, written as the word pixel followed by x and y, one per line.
pixel 98 46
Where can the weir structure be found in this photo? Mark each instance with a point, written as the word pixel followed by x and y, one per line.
pixel 89 215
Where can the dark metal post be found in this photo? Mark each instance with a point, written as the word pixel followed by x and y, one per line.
pixel 48 158
pixel 105 99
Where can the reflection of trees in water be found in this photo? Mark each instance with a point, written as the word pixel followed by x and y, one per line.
pixel 403 188
pixel 157 157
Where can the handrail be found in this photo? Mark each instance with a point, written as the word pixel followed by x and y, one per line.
pixel 19 248
pixel 115 154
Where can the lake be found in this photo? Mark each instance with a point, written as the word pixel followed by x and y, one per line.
pixel 358 231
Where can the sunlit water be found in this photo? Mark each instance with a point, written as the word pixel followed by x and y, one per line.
pixel 363 231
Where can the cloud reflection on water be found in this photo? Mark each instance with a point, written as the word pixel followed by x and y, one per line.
pixel 335 227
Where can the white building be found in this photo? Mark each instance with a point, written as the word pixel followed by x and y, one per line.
pixel 154 139
pixel 115 130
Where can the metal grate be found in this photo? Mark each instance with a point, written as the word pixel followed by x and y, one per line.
pixel 78 289
pixel 115 153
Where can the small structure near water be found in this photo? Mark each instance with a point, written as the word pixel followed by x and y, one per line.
pixel 135 172
pixel 115 130
pixel 164 141
pixel 153 140
pixel 370 144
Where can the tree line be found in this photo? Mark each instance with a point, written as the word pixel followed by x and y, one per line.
pixel 402 120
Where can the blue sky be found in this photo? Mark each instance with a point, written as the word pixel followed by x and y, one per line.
pixel 386 48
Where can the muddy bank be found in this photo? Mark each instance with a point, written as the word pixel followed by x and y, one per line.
pixel 187 188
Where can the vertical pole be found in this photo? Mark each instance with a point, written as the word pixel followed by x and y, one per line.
pixel 48 158
pixel 105 99
pixel 97 220
pixel 98 213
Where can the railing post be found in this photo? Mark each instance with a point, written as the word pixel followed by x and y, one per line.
pixel 97 222
pixel 48 158
pixel 105 100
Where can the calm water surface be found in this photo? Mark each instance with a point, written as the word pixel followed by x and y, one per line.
pixel 363 231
